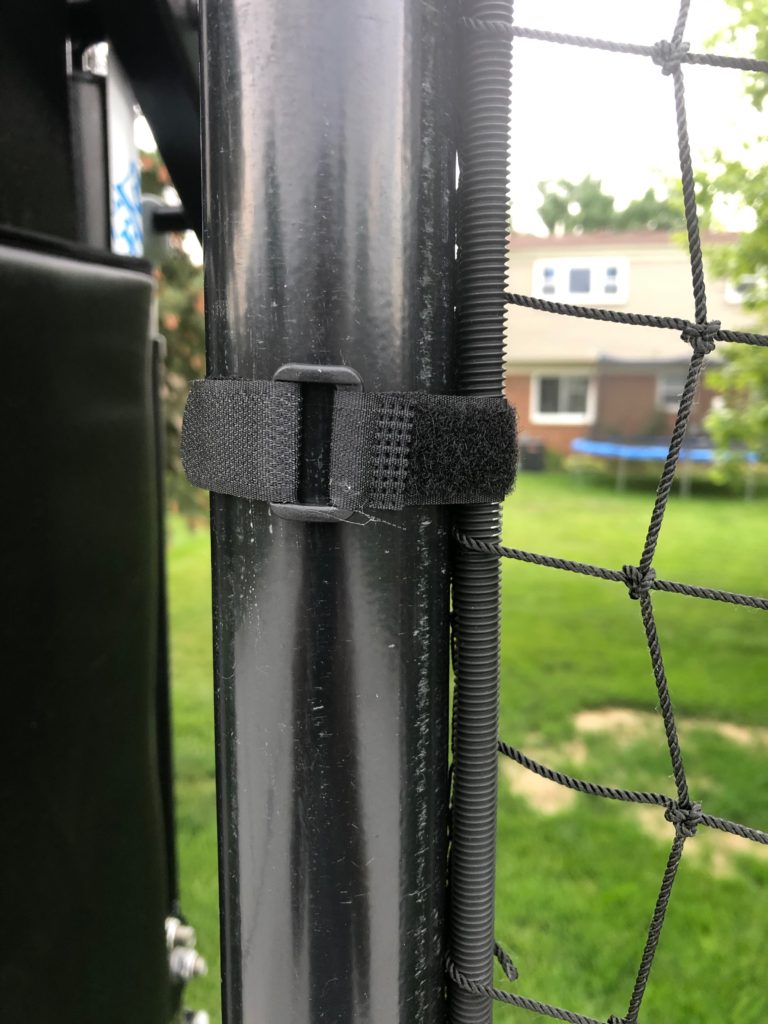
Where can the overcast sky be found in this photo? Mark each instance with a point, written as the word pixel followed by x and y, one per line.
pixel 578 112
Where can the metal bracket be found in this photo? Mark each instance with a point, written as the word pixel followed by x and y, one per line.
pixel 312 373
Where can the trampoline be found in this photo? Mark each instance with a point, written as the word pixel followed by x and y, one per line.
pixel 650 450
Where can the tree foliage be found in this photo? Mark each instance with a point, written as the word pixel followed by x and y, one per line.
pixel 181 314
pixel 570 207
pixel 740 425
pixel 751 21
pixel 741 421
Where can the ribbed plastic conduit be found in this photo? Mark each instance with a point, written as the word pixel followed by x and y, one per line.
pixel 484 106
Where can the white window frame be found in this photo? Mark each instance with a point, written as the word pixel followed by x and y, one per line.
pixel 557 286
pixel 562 419
pixel 661 404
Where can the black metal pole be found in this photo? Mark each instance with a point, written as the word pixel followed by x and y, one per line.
pixel 329 164
pixel 486 75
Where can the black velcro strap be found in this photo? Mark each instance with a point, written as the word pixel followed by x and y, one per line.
pixel 241 437
pixel 394 449
pixel 387 450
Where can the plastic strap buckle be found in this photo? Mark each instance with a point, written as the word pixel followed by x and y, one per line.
pixel 334 376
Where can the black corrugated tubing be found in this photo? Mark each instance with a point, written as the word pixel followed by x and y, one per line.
pixel 484 116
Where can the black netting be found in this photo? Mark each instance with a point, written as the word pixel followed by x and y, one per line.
pixel 702 335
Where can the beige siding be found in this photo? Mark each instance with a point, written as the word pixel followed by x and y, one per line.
pixel 659 283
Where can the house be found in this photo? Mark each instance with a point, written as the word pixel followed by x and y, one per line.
pixel 572 377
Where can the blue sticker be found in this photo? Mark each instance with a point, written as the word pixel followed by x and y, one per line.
pixel 127 225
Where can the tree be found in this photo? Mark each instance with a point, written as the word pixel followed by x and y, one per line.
pixel 741 421
pixel 652 214
pixel 181 313
pixel 740 425
pixel 751 20
pixel 583 206
pixel 567 206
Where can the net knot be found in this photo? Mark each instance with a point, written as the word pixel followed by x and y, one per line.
pixel 669 55
pixel 639 581
pixel 685 819
pixel 701 337
pixel 617 1020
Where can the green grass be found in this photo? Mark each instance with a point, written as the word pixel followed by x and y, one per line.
pixel 189 580
pixel 577 879
pixel 576 886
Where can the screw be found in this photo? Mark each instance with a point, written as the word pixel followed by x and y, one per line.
pixel 186 963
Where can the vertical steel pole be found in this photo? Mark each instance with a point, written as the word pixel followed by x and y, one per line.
pixel 486 75
pixel 329 165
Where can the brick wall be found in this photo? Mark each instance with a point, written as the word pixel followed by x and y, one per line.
pixel 626 407
pixel 555 438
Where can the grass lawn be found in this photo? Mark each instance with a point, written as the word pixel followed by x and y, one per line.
pixel 189 579
pixel 578 876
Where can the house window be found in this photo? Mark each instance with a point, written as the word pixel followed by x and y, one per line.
pixel 594 280
pixel 737 291
pixel 566 399
pixel 579 281
pixel 669 388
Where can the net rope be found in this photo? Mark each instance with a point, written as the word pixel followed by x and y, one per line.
pixel 702 335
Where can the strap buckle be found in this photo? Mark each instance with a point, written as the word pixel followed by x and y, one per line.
pixel 311 373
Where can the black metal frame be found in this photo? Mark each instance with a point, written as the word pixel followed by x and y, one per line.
pixel 155 41
pixel 329 179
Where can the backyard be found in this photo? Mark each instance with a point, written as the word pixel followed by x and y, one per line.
pixel 577 877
